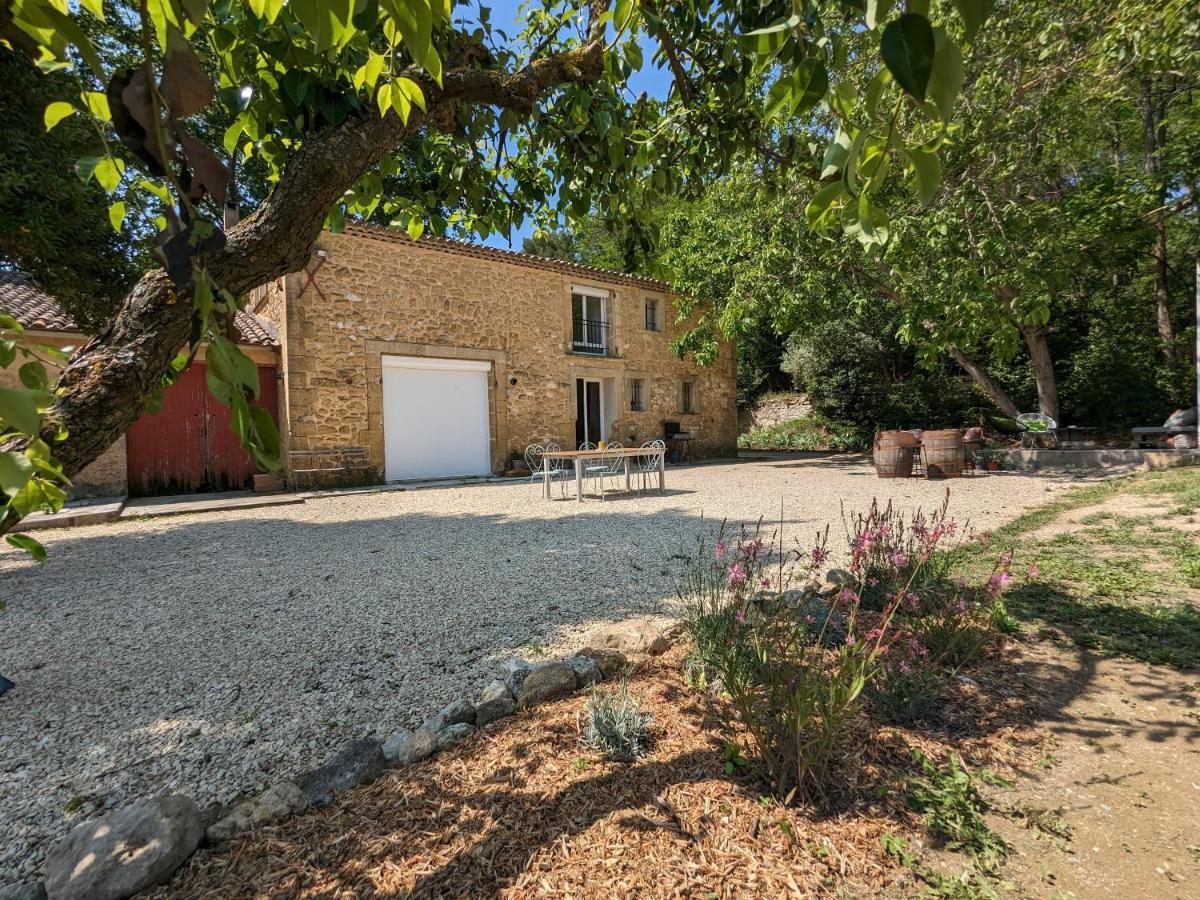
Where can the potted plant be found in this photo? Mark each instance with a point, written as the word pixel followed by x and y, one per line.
pixel 994 460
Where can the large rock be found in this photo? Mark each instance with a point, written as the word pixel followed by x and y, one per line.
pixel 546 681
pixel 586 671
pixel 357 763
pixel 451 735
pixel 835 580
pixel 611 663
pixel 513 674
pixel 637 636
pixel 277 802
pixel 455 713
pixel 407 747
pixel 125 851
pixel 30 890
pixel 496 703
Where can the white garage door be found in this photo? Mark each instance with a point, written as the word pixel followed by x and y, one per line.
pixel 435 418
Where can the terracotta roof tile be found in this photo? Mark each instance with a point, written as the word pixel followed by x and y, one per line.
pixel 36 310
pixel 446 245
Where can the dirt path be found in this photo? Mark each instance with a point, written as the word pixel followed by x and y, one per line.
pixel 1114 810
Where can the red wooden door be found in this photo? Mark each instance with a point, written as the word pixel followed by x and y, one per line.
pixel 189 446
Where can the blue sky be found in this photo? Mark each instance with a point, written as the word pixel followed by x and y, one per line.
pixel 651 79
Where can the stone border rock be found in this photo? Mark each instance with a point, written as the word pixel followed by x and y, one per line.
pixel 143 844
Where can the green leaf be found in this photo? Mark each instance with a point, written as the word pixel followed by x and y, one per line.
pixel 907 48
pixel 97 104
pixel 948 76
pixel 384 98
pixel 116 215
pixel 400 102
pixel 56 112
pixel 836 154
pixel 86 165
pixel 265 447
pixel 973 13
pixel 95 7
pixel 622 14
pixel 33 376
pixel 877 12
pixel 822 203
pixel 928 169
pixel 15 472
pixel 766 42
pixel 19 409
pixel 412 91
pixel 415 228
pixel 28 544
pixel 66 26
pixel 798 91
pixel 108 173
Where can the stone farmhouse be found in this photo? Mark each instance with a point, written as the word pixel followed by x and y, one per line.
pixel 388 359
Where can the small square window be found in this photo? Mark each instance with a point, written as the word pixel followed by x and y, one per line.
pixel 688 398
pixel 651 315
pixel 636 395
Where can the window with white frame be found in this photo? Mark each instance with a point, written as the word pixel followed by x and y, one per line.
pixel 637 394
pixel 687 398
pixel 652 311
pixel 589 321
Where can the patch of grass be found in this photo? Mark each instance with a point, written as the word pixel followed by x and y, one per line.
pixel 810 433
pixel 1114 582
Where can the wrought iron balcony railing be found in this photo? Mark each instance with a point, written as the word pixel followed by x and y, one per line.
pixel 589 336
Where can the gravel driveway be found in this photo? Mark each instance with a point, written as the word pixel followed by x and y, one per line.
pixel 219 652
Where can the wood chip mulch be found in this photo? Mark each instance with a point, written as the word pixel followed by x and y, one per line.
pixel 521 810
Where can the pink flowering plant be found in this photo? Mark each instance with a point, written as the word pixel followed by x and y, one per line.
pixel 791 658
pixel 890 553
pixel 792 666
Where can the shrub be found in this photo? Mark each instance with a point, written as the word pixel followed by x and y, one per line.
pixel 616 725
pixel 813 432
pixel 794 665
pixel 794 693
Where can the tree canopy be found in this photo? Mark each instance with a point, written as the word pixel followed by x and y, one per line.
pixel 334 97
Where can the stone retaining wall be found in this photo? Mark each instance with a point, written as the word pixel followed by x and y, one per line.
pixel 1100 458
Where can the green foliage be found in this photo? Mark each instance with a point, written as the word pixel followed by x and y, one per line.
pixel 811 433
pixel 30 479
pixel 52 225
pixel 949 797
pixel 616 725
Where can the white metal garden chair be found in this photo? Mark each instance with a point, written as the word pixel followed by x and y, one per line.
pixel 534 458
pixel 611 463
pixel 1035 426
pixel 648 463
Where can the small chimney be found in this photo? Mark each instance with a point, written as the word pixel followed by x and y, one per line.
pixel 232 215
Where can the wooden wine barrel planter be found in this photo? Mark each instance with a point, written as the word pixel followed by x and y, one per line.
pixel 894 454
pixel 944 453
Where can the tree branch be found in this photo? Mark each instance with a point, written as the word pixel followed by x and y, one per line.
pixel 103 390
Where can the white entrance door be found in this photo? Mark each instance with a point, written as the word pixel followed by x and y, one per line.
pixel 435 418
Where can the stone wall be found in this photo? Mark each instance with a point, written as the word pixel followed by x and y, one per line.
pixel 373 294
pixel 106 476
pixel 774 409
